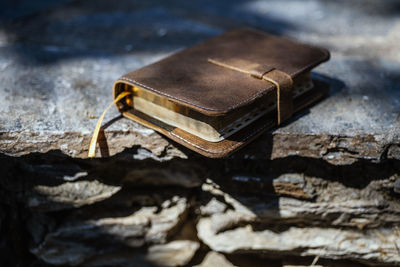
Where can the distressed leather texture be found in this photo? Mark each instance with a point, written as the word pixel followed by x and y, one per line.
pixel 187 76
pixel 254 62
pixel 283 82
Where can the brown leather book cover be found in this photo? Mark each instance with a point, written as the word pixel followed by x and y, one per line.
pixel 217 96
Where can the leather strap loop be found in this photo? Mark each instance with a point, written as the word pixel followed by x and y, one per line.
pixel 284 94
pixel 282 81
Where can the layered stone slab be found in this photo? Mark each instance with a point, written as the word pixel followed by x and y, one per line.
pixel 58 66
pixel 329 194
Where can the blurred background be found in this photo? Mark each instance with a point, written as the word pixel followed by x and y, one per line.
pixel 70 29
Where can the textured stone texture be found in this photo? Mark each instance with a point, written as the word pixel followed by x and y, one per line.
pixel 215 259
pixel 175 253
pixel 58 65
pixel 323 188
pixel 262 224
pixel 69 194
pixel 133 222
pixel 378 246
pixel 122 211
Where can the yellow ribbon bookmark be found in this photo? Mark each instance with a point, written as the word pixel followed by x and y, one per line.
pixel 93 142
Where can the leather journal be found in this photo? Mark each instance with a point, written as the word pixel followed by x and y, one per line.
pixel 217 96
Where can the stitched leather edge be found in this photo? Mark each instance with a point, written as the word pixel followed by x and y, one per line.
pixel 325 57
pixel 271 124
pixel 243 102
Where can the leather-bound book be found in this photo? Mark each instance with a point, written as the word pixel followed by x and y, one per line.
pixel 217 96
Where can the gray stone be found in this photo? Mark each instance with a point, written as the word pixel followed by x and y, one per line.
pixel 290 184
pixel 396 188
pixel 215 259
pixel 333 204
pixel 184 175
pixel 212 207
pixel 58 66
pixel 70 195
pixel 175 253
pixel 90 232
pixel 257 223
pixel 369 246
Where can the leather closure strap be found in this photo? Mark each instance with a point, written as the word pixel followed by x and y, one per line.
pixel 281 80
pixel 284 94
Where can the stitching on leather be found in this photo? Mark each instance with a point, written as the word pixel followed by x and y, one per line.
pixel 219 151
pixel 254 96
pixel 251 98
pixel 324 51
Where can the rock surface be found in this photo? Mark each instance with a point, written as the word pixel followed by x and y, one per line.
pixel 175 253
pixel 215 259
pixel 70 194
pixel 258 224
pixel 58 65
pixel 322 189
pixel 133 221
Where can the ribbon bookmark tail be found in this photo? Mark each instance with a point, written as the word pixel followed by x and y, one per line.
pixel 95 136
